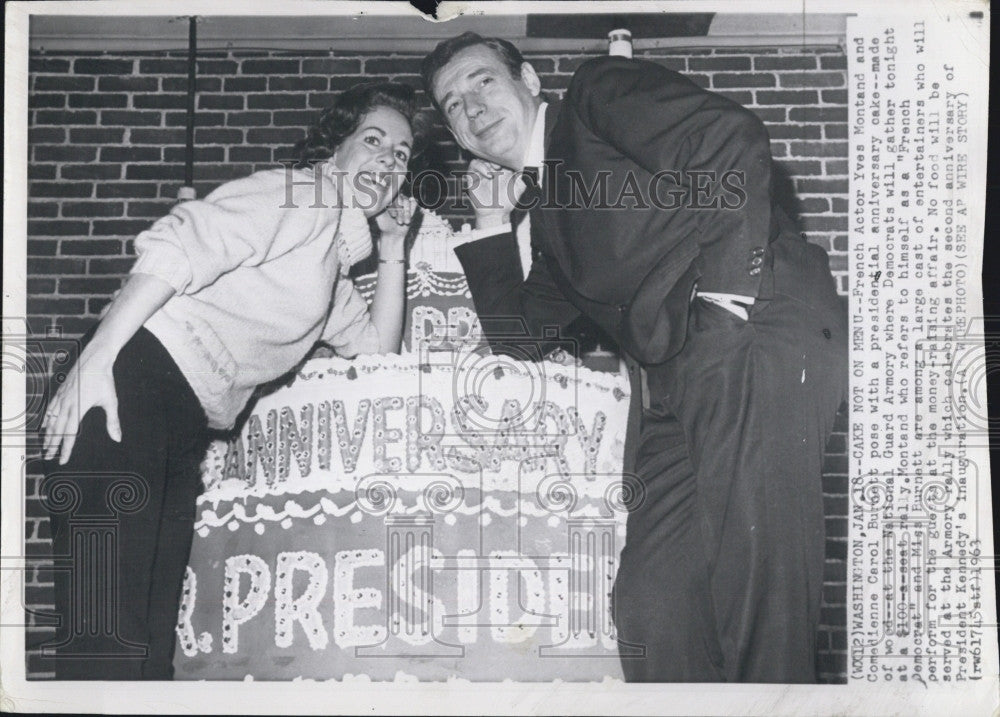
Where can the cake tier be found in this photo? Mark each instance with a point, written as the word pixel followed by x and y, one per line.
pixel 436 516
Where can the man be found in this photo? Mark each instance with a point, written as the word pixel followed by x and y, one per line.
pixel 689 265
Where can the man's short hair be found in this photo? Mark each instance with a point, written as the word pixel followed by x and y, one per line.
pixel 447 49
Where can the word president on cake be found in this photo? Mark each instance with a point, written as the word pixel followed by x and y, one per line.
pixel 733 316
pixel 227 293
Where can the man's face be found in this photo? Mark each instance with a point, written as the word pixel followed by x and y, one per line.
pixel 490 112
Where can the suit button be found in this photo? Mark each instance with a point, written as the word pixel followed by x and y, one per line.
pixel 756 261
pixel 757 251
pixel 755 271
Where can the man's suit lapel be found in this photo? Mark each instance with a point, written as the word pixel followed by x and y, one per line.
pixel 551 114
pixel 551 117
pixel 540 227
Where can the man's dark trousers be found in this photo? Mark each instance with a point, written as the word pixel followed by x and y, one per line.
pixel 722 571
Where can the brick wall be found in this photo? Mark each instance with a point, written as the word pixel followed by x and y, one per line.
pixel 106 158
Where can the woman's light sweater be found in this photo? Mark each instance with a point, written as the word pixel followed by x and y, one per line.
pixel 257 266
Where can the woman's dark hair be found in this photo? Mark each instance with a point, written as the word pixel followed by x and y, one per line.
pixel 342 118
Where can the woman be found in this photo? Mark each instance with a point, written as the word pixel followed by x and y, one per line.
pixel 226 294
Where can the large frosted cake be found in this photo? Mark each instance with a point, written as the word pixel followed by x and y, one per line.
pixel 439 514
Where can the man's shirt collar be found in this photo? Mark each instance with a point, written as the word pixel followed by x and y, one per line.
pixel 534 156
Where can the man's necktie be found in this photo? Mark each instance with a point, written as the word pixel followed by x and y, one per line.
pixel 531 196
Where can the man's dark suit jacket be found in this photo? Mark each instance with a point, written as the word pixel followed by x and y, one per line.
pixel 687 203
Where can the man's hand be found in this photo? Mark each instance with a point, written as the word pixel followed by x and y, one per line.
pixel 493 191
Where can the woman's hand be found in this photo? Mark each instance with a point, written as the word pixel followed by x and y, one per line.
pixel 88 384
pixel 91 381
pixel 394 222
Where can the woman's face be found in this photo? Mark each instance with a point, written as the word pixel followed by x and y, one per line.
pixel 374 158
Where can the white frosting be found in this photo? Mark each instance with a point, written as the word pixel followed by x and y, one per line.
pixel 341 422
pixel 235 612
pixel 347 598
pixel 304 609
pixel 189 643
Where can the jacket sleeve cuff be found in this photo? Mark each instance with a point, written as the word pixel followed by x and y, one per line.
pixel 477 234
pixel 483 260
